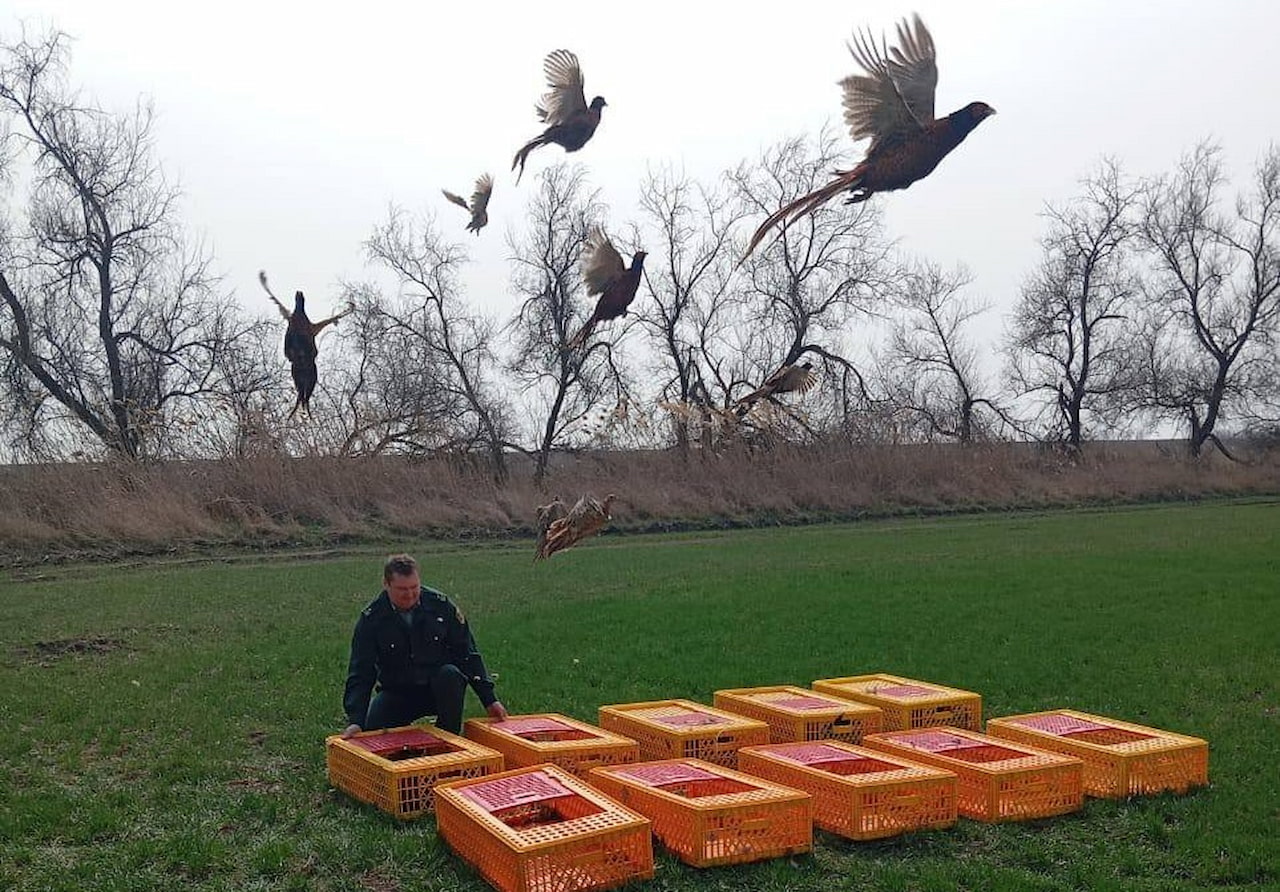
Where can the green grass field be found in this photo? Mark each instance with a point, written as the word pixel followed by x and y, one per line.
pixel 163 727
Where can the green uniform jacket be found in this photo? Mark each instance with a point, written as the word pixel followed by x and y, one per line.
pixel 385 651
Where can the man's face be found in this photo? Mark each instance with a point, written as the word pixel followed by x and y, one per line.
pixel 404 590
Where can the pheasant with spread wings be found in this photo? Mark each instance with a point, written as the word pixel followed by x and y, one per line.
pixel 605 274
pixel 479 206
pixel 570 121
pixel 586 518
pixel 300 344
pixel 789 378
pixel 893 104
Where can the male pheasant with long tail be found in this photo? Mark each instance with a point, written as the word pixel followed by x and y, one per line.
pixel 893 104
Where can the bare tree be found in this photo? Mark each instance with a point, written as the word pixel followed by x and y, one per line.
pixel 244 418
pixel 932 367
pixel 803 288
pixel 565 385
pixel 689 275
pixel 1069 346
pixel 430 318
pixel 1213 294
pixel 110 327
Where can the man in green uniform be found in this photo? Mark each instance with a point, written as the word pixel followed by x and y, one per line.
pixel 416 647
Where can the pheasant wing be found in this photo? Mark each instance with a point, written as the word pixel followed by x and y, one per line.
pixel 601 262
pixel 914 67
pixel 564 531
pixel 565 98
pixel 262 280
pixel 480 197
pixel 456 199
pixel 777 381
pixel 797 379
pixel 562 534
pixel 547 515
pixel 894 99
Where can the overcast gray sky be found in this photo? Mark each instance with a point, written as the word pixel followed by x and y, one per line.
pixel 292 126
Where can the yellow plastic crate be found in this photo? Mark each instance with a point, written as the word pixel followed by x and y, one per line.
pixel 858 793
pixel 550 737
pixel 908 703
pixel 709 815
pixel 395 769
pixel 1120 758
pixel 794 713
pixel 541 829
pixel 683 729
pixel 997 780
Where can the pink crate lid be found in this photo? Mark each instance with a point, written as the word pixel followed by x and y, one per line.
pixel 522 789
pixel 815 754
pixel 803 703
pixel 671 773
pixel 1058 724
pixel 530 725
pixel 939 741
pixel 686 719
pixel 902 690
pixel 395 740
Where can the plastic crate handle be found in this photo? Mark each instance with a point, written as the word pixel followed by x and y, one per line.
pixel 526 795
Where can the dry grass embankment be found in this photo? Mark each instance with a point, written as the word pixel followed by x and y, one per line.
pixel 52 512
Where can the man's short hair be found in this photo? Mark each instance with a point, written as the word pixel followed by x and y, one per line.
pixel 399 565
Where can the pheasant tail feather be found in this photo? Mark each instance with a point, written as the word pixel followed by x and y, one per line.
pixel 806 204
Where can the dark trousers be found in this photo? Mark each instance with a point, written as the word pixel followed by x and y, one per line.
pixel 441 698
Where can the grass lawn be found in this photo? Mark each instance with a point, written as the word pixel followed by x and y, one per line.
pixel 162 727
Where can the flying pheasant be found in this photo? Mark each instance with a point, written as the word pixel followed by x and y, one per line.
pixel 300 343
pixel 570 121
pixel 479 206
pixel 893 104
pixel 586 518
pixel 787 379
pixel 606 275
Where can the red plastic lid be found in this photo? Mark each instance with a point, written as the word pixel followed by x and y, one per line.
pixel 803 703
pixel 938 741
pixel 671 773
pixel 1059 724
pixel 903 690
pixel 395 740
pixel 522 789
pixel 530 725
pixel 683 719
pixel 815 754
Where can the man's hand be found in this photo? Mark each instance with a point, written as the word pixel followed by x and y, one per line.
pixel 351 731
pixel 497 711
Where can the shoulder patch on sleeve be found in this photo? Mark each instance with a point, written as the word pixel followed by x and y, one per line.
pixel 462 618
